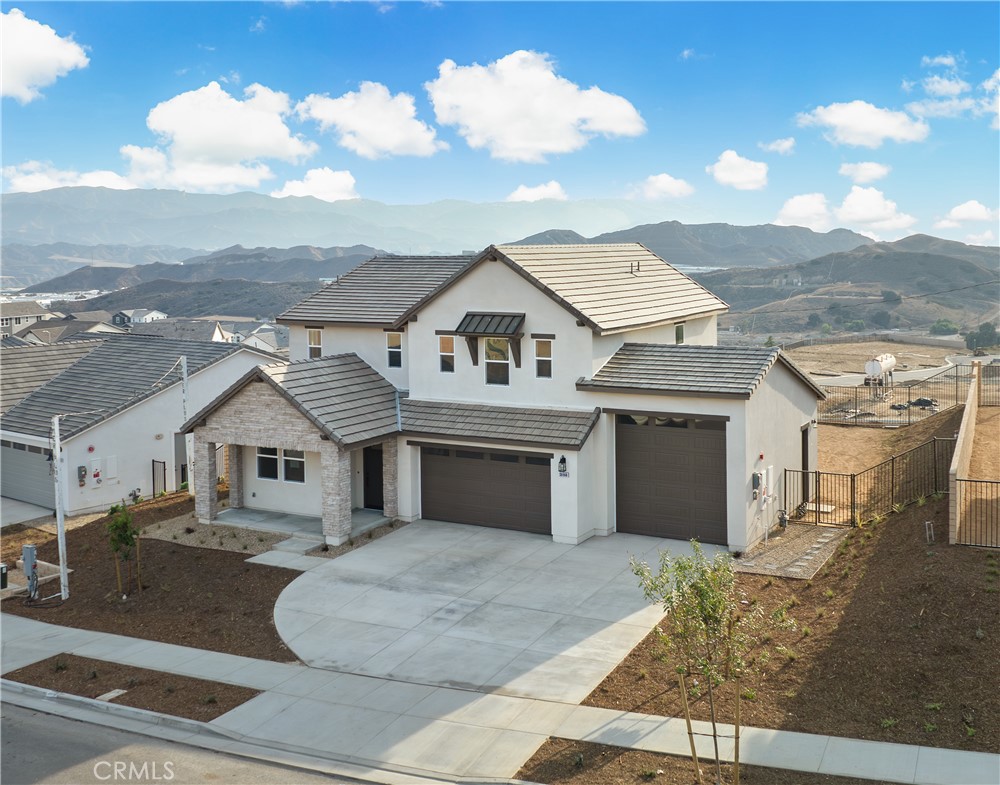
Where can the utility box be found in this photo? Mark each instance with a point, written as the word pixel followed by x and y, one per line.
pixel 29 560
pixel 3 575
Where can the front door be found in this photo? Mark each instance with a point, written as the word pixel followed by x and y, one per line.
pixel 373 477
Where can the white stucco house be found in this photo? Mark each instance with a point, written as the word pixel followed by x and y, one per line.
pixel 123 402
pixel 571 391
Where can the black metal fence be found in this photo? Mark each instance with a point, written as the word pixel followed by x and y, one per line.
pixel 897 404
pixel 978 505
pixel 159 478
pixel 989 387
pixel 835 499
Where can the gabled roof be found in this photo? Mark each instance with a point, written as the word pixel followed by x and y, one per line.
pixel 610 288
pixel 28 367
pixel 377 292
pixel 720 371
pixel 116 375
pixel 343 396
pixel 91 316
pixel 22 308
pixel 187 329
pixel 53 330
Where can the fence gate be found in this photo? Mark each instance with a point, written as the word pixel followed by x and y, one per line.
pixel 159 478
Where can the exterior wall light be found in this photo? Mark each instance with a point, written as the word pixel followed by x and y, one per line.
pixel 562 467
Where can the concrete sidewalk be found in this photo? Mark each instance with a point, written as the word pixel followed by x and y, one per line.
pixel 411 729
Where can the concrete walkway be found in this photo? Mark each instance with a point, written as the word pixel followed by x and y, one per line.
pixel 407 729
pixel 14 511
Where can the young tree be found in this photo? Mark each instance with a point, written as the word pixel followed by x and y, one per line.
pixel 709 629
pixel 123 537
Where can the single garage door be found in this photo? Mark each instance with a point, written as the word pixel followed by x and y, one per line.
pixel 671 477
pixel 502 489
pixel 24 474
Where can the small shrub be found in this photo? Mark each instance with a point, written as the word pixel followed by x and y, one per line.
pixel 969 731
pixel 189 530
pixel 980 634
pixel 806 632
pixel 169 689
pixel 183 486
pixel 937 496
pixel 371 535
pixel 820 613
pixel 209 699
pixel 260 539
pixel 649 774
pixel 829 594
pixel 59 665
pixel 889 722
pixel 749 694
pixel 91 675
pixel 643 673
pixel 578 761
pixel 245 546
pixel 930 727
pixel 921 501
pixel 131 683
pixel 898 507
pixel 933 706
pixel 173 537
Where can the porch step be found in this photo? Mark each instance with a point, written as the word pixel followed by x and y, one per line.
pixel 297 544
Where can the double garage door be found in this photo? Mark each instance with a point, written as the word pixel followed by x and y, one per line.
pixel 502 489
pixel 671 477
pixel 25 474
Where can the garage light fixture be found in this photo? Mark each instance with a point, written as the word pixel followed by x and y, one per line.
pixel 562 465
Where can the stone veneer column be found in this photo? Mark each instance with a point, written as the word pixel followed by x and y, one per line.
pixel 206 491
pixel 235 455
pixel 336 465
pixel 390 478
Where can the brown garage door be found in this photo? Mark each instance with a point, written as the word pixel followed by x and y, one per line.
pixel 502 489
pixel 671 477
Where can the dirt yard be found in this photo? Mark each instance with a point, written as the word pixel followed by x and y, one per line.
pixel 895 640
pixel 985 463
pixel 195 699
pixel 840 358
pixel 563 762
pixel 850 448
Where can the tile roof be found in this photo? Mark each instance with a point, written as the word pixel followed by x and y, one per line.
pixel 557 428
pixel 28 367
pixel 119 373
pixel 188 329
pixel 479 324
pixel 727 371
pixel 377 292
pixel 22 308
pixel 53 330
pixel 612 287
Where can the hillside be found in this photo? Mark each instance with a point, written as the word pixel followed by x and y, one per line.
pixel 720 245
pixel 24 265
pixel 250 299
pixel 302 263
pixel 843 287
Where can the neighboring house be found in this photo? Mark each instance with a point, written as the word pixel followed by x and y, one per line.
pixel 92 316
pixel 28 366
pixel 14 316
pixel 136 316
pixel 187 329
pixel 58 330
pixel 125 407
pixel 270 337
pixel 567 390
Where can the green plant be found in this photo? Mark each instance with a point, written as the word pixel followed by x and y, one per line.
pixel 643 673
pixel 930 727
pixel 244 546
pixel 829 594
pixel 123 537
pixel 578 761
pixel 59 665
pixel 933 706
pixel 806 632
pixel 970 731
pixel 899 507
pixel 648 774
pixel 91 675
pixel 889 722
pixel 209 699
pixel 169 689
pixel 749 694
pixel 183 486
pixel 133 682
pixel 921 501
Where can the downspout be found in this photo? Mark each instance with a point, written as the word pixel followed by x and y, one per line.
pixel 399 416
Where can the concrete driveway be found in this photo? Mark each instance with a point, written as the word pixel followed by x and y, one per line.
pixel 489 610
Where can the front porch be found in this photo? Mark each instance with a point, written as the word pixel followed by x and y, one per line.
pixel 303 527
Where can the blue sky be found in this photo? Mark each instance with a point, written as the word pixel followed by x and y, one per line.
pixel 694 106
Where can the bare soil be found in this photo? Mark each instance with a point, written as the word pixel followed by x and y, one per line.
pixel 895 641
pixel 850 448
pixel 195 699
pixel 841 358
pixel 985 463
pixel 209 599
pixel 563 762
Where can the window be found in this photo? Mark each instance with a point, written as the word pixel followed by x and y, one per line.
pixel 446 349
pixel 17 320
pixel 5 322
pixel 394 348
pixel 497 361
pixel 670 422
pixel 632 419
pixel 533 461
pixel 543 359
pixel 314 339
pixel 679 333
pixel 503 457
pixel 478 456
pixel 294 465
pixel 267 463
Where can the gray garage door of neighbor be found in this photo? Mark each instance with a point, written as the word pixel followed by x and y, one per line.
pixel 671 477
pixel 498 488
pixel 24 474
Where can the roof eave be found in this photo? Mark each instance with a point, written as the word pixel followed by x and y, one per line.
pixel 661 322
pixel 585 385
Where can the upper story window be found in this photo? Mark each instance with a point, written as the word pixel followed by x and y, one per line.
pixel 394 349
pixel 498 361
pixel 543 359
pixel 679 333
pixel 446 351
pixel 314 340
pixel 5 321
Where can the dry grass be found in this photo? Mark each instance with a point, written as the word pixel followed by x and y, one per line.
pixel 838 358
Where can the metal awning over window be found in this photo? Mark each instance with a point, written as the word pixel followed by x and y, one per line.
pixel 489 325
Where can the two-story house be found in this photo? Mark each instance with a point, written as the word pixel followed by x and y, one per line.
pixel 137 316
pixel 18 314
pixel 566 390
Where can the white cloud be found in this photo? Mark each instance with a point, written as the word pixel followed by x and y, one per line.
pixel 519 109
pixel 907 86
pixel 784 146
pixel 739 172
pixel 991 103
pixel 233 78
pixel 324 183
pixel 943 86
pixel 864 171
pixel 686 54
pixel 33 55
pixel 946 223
pixel 971 210
pixel 372 122
pixel 37 176
pixel 942 107
pixel 259 25
pixel 869 208
pixel 984 238
pixel 549 190
pixel 809 210
pixel 658 186
pixel 861 124
pixel 947 61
